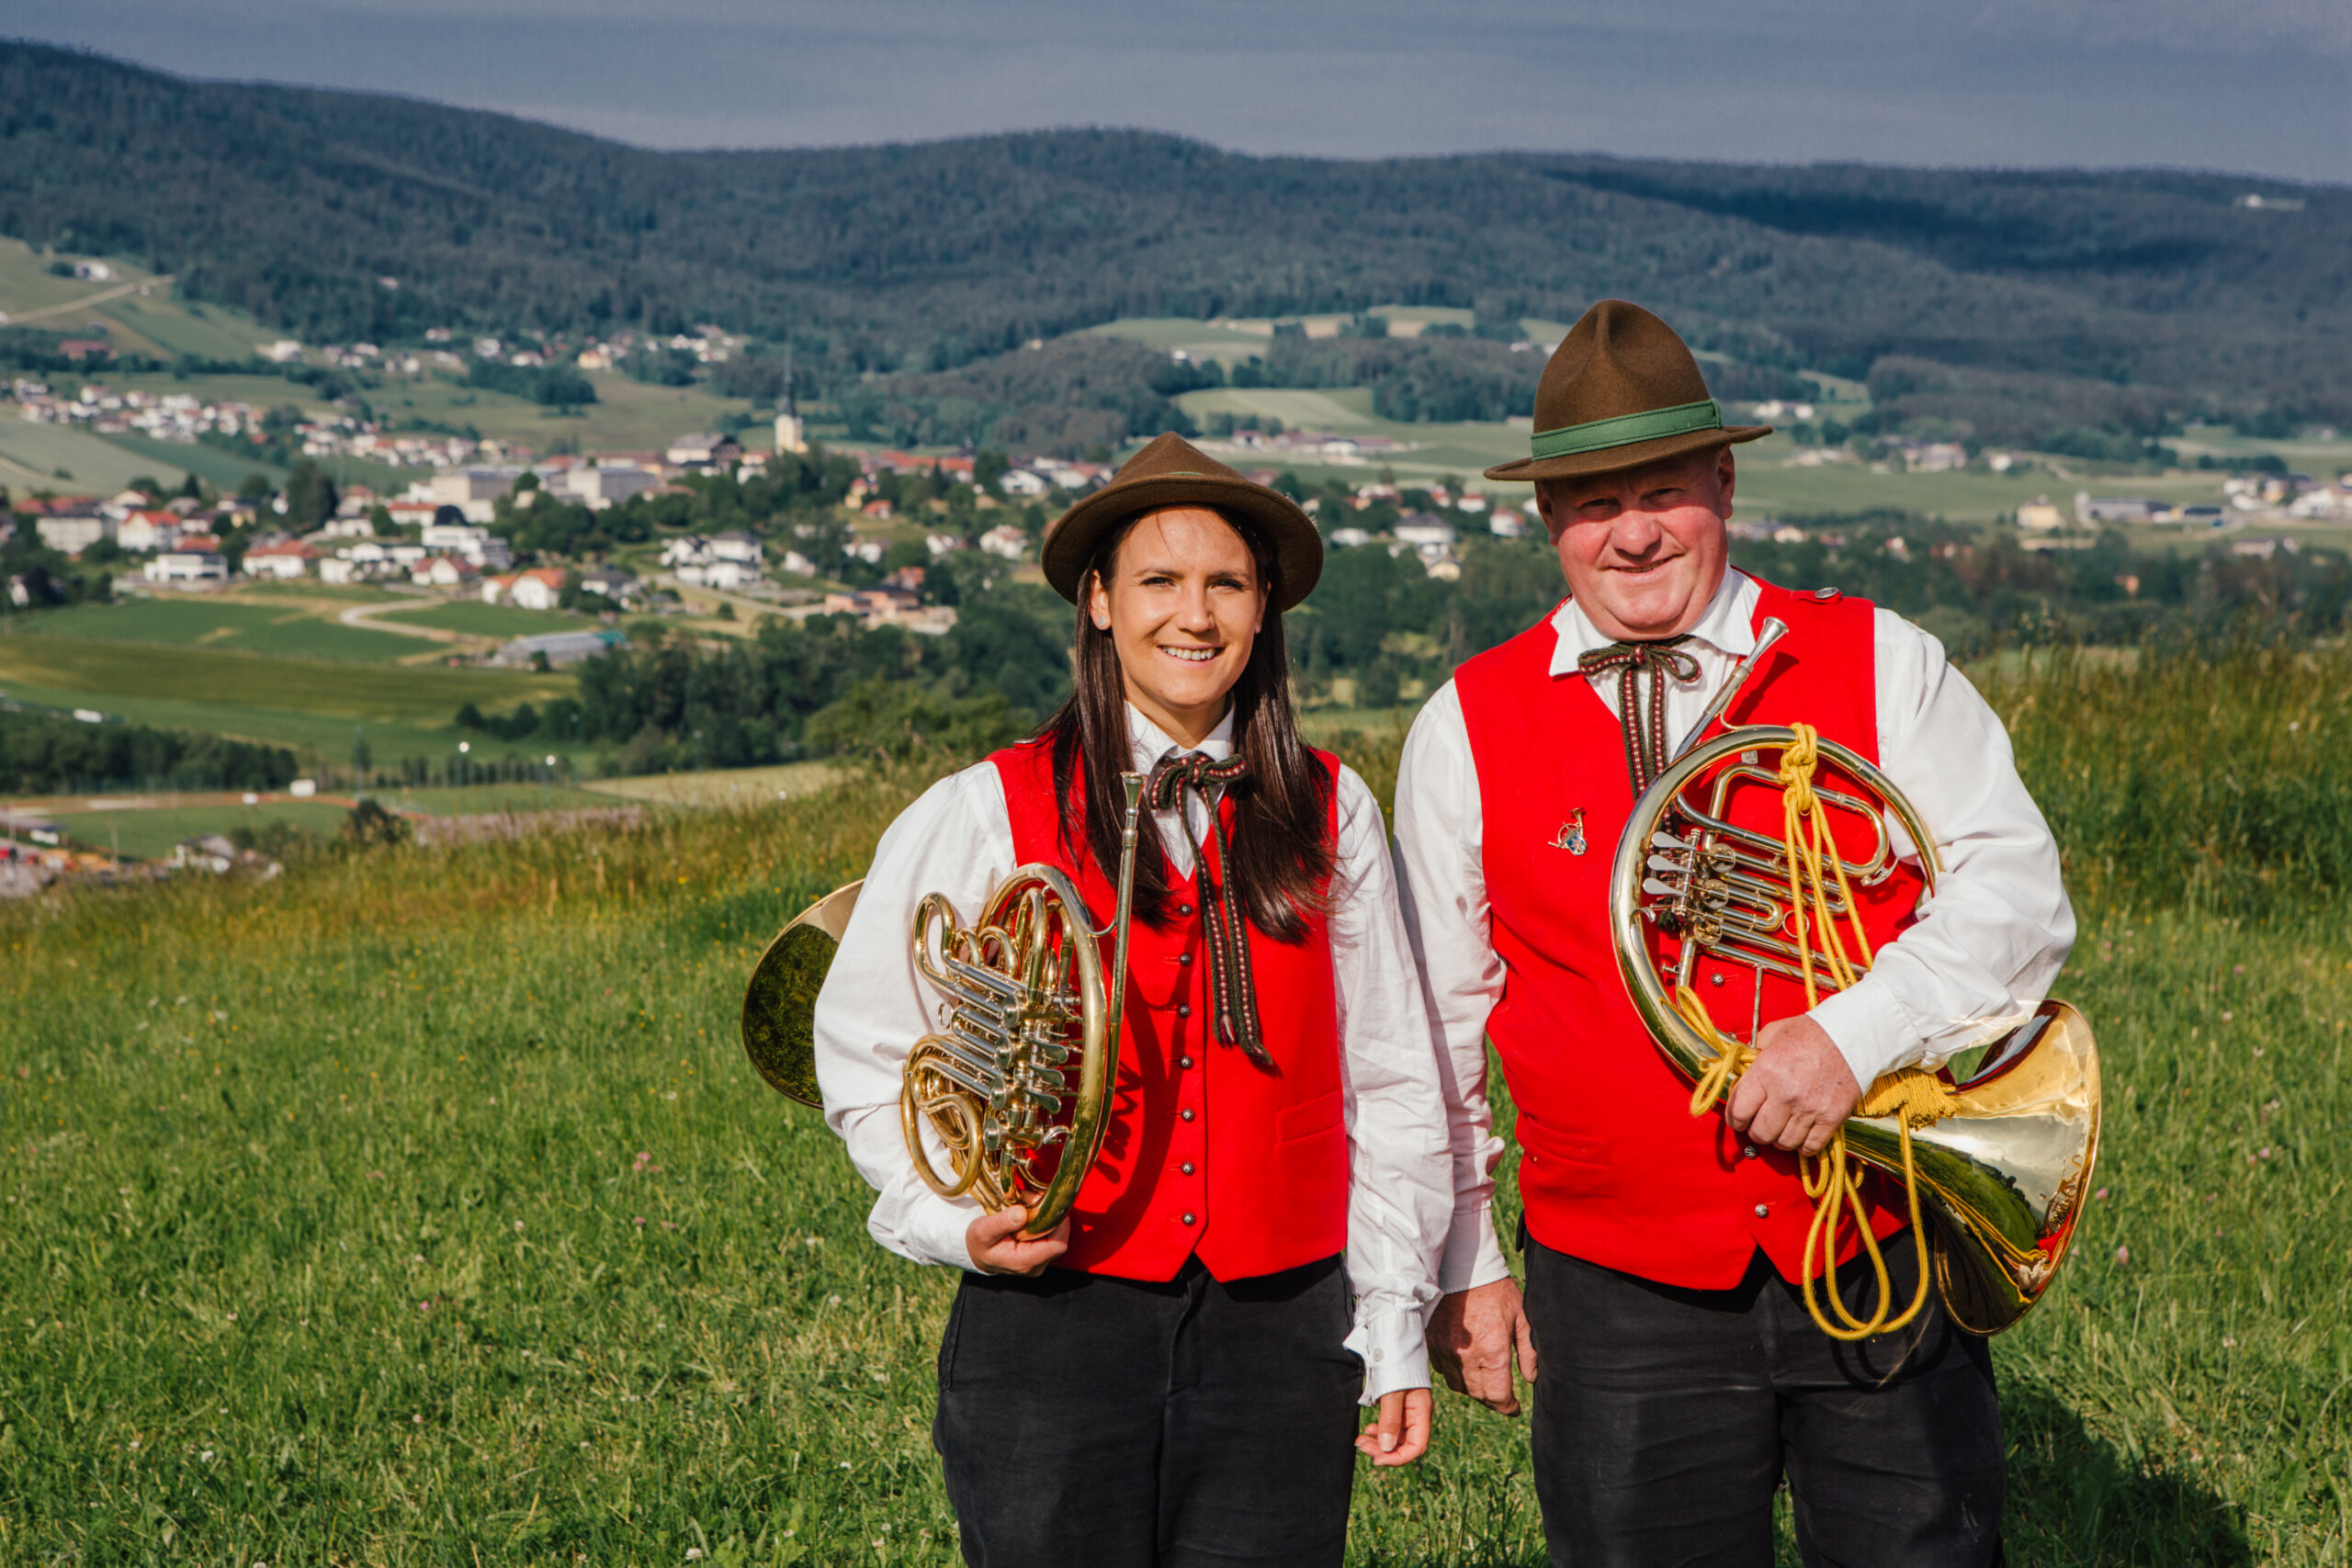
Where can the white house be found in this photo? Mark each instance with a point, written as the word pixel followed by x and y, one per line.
pixel 538 589
pixel 607 484
pixel 1023 481
pixel 705 449
pixel 484 549
pixel 1424 530
pixel 692 549
pixel 337 570
pixel 472 491
pixel 613 585
pixel 740 547
pixel 187 566
pixel 444 572
pixel 71 533
pixel 727 576
pixel 289 559
pixel 1005 540
pixel 148 530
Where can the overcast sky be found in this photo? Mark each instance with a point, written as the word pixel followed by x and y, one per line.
pixel 2250 85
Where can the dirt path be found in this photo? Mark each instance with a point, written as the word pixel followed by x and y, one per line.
pixel 363 616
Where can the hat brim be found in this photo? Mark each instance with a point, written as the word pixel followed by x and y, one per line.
pixel 1611 460
pixel 1075 537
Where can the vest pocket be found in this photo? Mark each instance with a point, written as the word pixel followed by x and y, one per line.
pixel 1324 1113
pixel 1562 1162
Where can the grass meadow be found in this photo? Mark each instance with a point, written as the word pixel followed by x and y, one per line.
pixel 418 1207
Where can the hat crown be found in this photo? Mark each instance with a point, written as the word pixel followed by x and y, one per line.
pixel 1618 359
pixel 1172 457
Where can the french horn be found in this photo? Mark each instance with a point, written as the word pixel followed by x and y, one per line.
pixel 1014 1083
pixel 2000 1160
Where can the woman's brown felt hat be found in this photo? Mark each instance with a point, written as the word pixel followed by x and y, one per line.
pixel 1621 391
pixel 1171 472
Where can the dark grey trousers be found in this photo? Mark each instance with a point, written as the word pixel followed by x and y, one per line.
pixel 1087 1422
pixel 1665 1418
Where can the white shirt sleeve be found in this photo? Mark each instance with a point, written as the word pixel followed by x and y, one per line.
pixel 958 839
pixel 1442 884
pixel 1993 937
pixel 1400 1192
pixel 955 840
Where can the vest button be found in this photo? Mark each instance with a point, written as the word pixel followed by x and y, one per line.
pixel 1748 1153
pixel 1184 1009
pixel 1714 979
pixel 1186 1168
pixel 1762 1210
pixel 1185 959
pixel 1183 908
pixel 1184 1061
pixel 1189 1220
pixel 1184 1115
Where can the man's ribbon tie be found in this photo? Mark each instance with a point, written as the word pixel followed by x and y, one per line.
pixel 1643 715
pixel 1232 992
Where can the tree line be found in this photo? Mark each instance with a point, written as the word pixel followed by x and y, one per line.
pixel 916 259
pixel 47 753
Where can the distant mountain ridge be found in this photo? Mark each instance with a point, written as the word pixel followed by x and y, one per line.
pixel 2129 298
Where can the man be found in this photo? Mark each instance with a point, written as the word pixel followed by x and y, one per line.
pixel 1677 1375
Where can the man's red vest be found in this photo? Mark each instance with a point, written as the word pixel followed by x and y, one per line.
pixel 1204 1152
pixel 1613 1169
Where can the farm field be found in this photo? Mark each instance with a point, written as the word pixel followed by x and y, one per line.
pixel 69 461
pixel 418 1206
pixel 475 619
pixel 288 628
pixel 149 833
pixel 147 826
pixel 628 415
pixel 725 787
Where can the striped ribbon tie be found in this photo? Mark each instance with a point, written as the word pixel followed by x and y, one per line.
pixel 1642 714
pixel 1233 993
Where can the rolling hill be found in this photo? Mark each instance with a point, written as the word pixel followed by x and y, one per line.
pixel 2119 298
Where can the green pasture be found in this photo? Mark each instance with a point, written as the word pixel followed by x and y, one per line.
pixel 149 833
pixel 475 619
pixel 65 460
pixel 290 630
pixel 417 1207
pixel 628 415
pixel 428 694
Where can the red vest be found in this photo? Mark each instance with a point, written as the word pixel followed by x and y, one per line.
pixel 1204 1152
pixel 1613 1168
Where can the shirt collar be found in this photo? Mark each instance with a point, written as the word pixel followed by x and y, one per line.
pixel 1150 742
pixel 1728 624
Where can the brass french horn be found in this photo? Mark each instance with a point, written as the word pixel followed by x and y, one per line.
pixel 1014 1084
pixel 2001 1165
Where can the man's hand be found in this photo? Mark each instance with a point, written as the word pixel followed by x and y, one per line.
pixel 1797 1092
pixel 997 1246
pixel 1401 1432
pixel 1473 1337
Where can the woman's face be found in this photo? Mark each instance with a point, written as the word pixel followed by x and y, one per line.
pixel 1184 605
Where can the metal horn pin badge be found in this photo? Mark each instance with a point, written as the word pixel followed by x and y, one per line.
pixel 1571 834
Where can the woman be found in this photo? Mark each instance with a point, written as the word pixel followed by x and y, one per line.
pixel 1168 1377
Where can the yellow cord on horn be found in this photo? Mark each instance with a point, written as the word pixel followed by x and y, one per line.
pixel 1916 1098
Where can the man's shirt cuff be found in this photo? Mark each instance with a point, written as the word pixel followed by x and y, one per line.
pixel 1473 1255
pixel 1870 1031
pixel 1393 1347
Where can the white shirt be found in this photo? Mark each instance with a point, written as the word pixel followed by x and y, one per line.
pixel 958 839
pixel 1986 946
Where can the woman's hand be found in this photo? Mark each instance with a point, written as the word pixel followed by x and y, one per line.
pixel 1401 1433
pixel 997 1246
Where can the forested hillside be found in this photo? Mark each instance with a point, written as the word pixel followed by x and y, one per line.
pixel 2126 298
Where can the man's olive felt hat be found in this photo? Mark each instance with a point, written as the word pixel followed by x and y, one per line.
pixel 1171 472
pixel 1621 391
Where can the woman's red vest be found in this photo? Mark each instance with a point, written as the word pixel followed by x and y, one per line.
pixel 1204 1152
pixel 1614 1169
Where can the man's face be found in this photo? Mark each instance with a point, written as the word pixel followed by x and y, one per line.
pixel 1643 550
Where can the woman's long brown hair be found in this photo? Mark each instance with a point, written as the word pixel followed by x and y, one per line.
pixel 1282 853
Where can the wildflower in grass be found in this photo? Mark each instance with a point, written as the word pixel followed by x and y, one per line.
pixel 2124 1255
pixel 2100 1195
pixel 2228 1344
